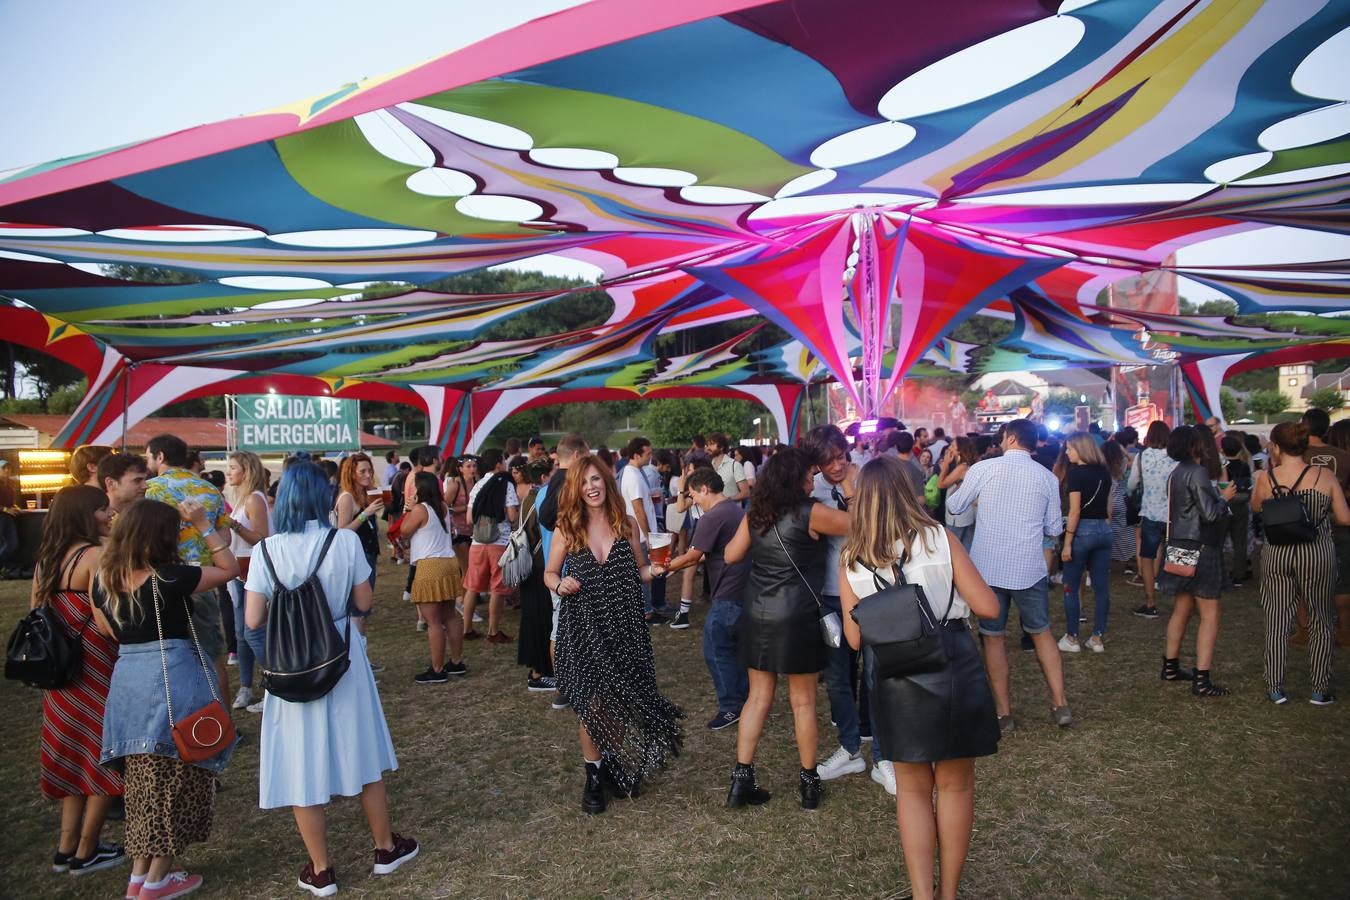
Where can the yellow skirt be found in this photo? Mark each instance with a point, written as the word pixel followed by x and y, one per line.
pixel 439 579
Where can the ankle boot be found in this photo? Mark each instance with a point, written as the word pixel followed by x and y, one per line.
pixel 811 788
pixel 593 800
pixel 1203 687
pixel 1172 671
pixel 612 785
pixel 744 790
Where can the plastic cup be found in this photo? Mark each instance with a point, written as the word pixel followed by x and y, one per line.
pixel 658 543
pixel 387 495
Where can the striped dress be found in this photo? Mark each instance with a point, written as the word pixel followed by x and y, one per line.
pixel 1291 573
pixel 72 716
pixel 1122 535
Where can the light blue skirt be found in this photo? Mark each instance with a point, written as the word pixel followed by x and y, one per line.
pixel 330 747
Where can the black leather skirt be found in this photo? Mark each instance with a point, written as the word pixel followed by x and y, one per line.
pixel 938 715
pixel 779 632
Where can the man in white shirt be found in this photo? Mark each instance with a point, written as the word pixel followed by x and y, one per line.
pixel 1018 504
pixel 725 465
pixel 637 502
pixel 484 574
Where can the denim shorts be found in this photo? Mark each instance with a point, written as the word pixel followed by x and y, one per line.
pixel 1033 608
pixel 1151 536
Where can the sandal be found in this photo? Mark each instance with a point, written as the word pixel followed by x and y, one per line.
pixel 1172 671
pixel 1203 687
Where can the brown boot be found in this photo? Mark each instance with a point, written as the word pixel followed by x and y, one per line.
pixel 1300 636
pixel 1343 621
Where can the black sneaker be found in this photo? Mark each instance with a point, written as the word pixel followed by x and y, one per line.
pixel 431 676
pixel 105 856
pixel 559 701
pixel 386 861
pixel 454 668
pixel 541 684
pixel 61 861
pixel 656 618
pixel 1028 645
pixel 1146 612
pixel 723 720
pixel 680 622
pixel 320 884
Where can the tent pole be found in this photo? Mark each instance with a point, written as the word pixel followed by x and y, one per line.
pixel 126 398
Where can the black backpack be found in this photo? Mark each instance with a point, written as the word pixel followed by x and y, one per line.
pixel 40 653
pixel 1284 517
pixel 306 657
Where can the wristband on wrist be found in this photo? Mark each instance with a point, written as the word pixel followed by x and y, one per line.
pixel 210 530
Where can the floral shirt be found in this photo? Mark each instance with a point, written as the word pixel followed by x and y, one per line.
pixel 1155 466
pixel 174 486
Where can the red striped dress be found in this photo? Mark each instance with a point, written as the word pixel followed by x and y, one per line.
pixel 72 716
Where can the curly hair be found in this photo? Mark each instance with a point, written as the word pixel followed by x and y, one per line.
pixel 780 488
pixel 572 510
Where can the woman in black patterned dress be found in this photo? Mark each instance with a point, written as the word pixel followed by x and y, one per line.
pixel 604 664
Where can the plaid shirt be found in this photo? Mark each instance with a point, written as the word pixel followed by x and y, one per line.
pixel 174 486
pixel 1018 504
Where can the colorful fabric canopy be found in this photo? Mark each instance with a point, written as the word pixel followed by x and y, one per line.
pixel 808 163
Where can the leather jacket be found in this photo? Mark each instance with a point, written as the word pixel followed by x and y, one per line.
pixel 1197 510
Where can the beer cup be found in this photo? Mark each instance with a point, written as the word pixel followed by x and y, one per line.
pixel 658 543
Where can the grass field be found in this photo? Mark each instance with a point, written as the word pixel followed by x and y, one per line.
pixel 1150 794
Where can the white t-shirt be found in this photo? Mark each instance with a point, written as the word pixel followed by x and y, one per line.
pixel 929 568
pixel 503 527
pixel 749 469
pixel 633 486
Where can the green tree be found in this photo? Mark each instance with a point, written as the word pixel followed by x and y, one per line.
pixel 1228 403
pixel 1062 404
pixel 1267 403
pixel 1327 398
pixel 65 400
pixel 672 423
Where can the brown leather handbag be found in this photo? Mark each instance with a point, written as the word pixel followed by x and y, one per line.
pixel 209 731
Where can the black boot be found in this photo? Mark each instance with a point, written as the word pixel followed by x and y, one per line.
pixel 611 785
pixel 1203 687
pixel 1172 671
pixel 811 789
pixel 593 799
pixel 744 791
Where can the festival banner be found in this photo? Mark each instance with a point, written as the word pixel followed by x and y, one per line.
pixel 278 423
pixel 1146 393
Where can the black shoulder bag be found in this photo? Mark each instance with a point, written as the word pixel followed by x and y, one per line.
pixel 41 653
pixel 1285 517
pixel 898 624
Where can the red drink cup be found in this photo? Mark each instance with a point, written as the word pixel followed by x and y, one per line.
pixel 659 544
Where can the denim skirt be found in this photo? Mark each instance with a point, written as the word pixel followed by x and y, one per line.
pixel 136 719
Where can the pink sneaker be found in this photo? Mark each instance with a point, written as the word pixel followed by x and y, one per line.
pixel 134 887
pixel 175 884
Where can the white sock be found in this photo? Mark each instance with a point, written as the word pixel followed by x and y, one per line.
pixel 156 885
pixel 138 879
pixel 591 762
pixel 685 604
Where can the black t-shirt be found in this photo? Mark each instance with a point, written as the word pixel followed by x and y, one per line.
pixel 1094 483
pixel 176 584
pixel 1238 472
pixel 716 528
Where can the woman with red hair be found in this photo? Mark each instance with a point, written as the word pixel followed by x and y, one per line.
pixel 604 664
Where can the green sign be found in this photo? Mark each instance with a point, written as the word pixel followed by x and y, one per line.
pixel 276 423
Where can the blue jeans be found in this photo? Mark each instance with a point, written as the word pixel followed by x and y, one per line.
pixel 839 686
pixel 964 533
pixel 1033 607
pixel 729 677
pixel 1091 551
pixel 252 641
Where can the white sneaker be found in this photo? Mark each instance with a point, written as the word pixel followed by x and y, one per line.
pixel 883 773
pixel 1095 644
pixel 841 763
pixel 255 708
pixel 477 617
pixel 1057 578
pixel 243 698
pixel 1069 645
pixel 407 596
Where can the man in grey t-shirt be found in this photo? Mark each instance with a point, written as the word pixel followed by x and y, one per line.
pixel 716 527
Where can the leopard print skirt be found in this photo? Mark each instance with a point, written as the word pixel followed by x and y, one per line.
pixel 169 805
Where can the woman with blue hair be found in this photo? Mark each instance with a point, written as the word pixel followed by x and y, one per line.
pixel 338 744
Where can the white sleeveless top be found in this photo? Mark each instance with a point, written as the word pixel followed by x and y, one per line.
pixel 431 540
pixel 238 546
pixel 931 569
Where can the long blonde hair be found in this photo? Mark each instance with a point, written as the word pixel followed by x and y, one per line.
pixel 884 514
pixel 255 478
pixel 144 536
pixel 1089 454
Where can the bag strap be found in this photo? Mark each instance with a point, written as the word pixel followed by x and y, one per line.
pixel 794 567
pixel 70 565
pixel 1297 481
pixel 163 659
pixel 899 566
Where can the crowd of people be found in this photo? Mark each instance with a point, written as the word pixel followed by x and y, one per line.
pixel 172 580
